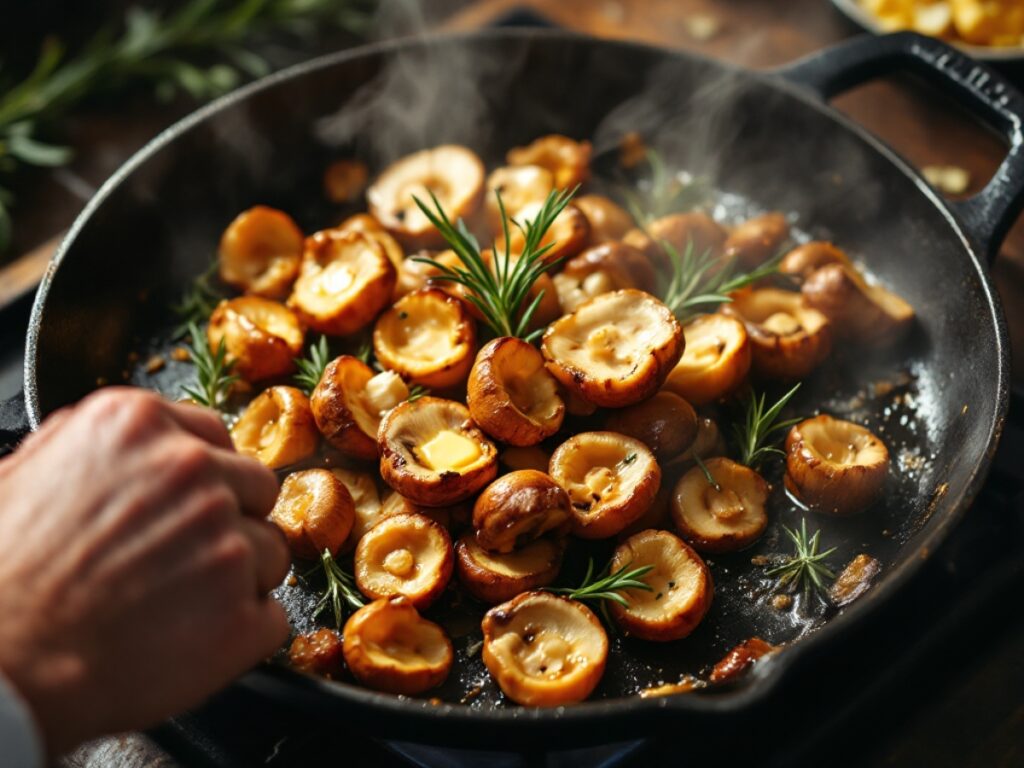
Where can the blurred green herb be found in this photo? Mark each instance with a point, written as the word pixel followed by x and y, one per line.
pixel 198 302
pixel 311 367
pixel 662 192
pixel 213 371
pixel 416 391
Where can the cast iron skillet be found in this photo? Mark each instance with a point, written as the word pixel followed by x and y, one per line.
pixel 766 141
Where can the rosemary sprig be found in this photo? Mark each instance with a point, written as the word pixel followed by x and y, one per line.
pixel 341 586
pixel 606 586
pixel 757 434
pixel 707 473
pixel 416 391
pixel 806 567
pixel 499 289
pixel 311 367
pixel 197 303
pixel 664 193
pixel 213 371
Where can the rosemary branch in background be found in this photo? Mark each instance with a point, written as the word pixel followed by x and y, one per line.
pixel 311 367
pixel 340 587
pixel 213 372
pixel 663 193
pixel 806 567
pixel 416 391
pixel 499 289
pixel 151 48
pixel 757 434
pixel 197 303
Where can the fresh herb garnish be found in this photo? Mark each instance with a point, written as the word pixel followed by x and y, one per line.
pixel 416 391
pixel 311 367
pixel 606 586
pixel 757 434
pixel 198 302
pixel 707 473
pixel 665 193
pixel 806 567
pixel 213 371
pixel 499 290
pixel 365 351
pixel 341 586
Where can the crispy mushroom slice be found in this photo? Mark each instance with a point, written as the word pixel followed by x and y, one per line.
pixel 544 650
pixel 519 187
pixel 756 240
pixel 804 260
pixel 723 519
pixel 362 487
pixel 680 582
pixel 315 512
pixel 493 578
pixel 350 401
pixel 432 453
pixel 405 554
pixel 260 252
pixel 790 339
pixel 511 395
pixel 428 337
pixel 665 423
pixel 345 280
pixel 519 507
pixel 615 349
pixel 318 653
pixel 625 266
pixel 608 220
pixel 277 428
pixel 716 360
pixel 567 160
pixel 261 337
pixel 865 313
pixel 741 658
pixel 835 466
pixel 611 480
pixel 389 647
pixel 567 235
pixel 681 231
pixel 451 173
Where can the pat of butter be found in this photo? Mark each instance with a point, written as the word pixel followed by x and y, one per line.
pixel 449 451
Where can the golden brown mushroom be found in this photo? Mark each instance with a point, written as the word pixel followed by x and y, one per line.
pixel 405 554
pixel 428 337
pixel 261 337
pixel 709 442
pixel 318 653
pixel 682 231
pixel 432 453
pixel 365 223
pixel 519 507
pixel 680 582
pixel 389 647
pixel 608 220
pixel 260 252
pixel 806 259
pixel 520 186
pixel 315 512
pixel 362 487
pixel 665 423
pixel 611 480
pixel 756 240
pixel 511 395
pixel 615 349
pixel 544 650
pixel 493 578
pixel 716 360
pixel 865 313
pixel 277 428
pixel 835 466
pixel 600 269
pixel 567 160
pixel 345 180
pixel 725 518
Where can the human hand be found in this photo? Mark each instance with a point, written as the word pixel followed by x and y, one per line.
pixel 134 564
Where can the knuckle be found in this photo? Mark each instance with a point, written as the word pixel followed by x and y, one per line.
pixel 233 552
pixel 190 460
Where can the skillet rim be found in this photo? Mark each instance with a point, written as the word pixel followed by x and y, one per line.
pixel 764 677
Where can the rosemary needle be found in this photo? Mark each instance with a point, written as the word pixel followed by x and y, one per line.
pixel 756 434
pixel 213 370
pixel 806 567
pixel 311 368
pixel 340 588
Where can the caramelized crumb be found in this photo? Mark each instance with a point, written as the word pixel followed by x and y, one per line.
pixel 179 354
pixel 782 602
pixel 854 580
pixel 318 653
pixel 740 659
pixel 154 364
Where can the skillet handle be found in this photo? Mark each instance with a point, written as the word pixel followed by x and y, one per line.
pixel 14 424
pixel 985 94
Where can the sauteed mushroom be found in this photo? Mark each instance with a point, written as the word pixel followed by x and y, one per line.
pixel 804 260
pixel 567 160
pixel 666 424
pixel 682 231
pixel 725 518
pixel 611 480
pixel 390 647
pixel 405 554
pixel 277 428
pixel 616 349
pixel 366 502
pixel 369 226
pixel 520 186
pixel 865 313
pixel 756 240
pixel 517 508
pixel 608 220
pixel 315 512
pixel 260 252
pixel 261 337
pixel 432 453
pixel 567 235
pixel 680 582
pixel 715 362
pixel 601 269
pixel 345 180
pixel 835 466
pixel 493 578
pixel 543 650
pixel 709 442
pixel 318 653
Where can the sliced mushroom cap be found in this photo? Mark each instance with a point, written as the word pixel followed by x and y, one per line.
pixel 453 174
pixel 790 339
pixel 566 159
pixel 390 647
pixel 350 401
pixel 804 260
pixel 611 480
pixel 428 337
pixel 260 252
pixel 362 487
pixel 519 186
pixel 723 519
pixel 315 512
pixel 665 423
pixel 716 360
pixel 680 582
pixel 519 507
pixel 867 314
pixel 756 240
pixel 682 231
pixel 318 653
pixel 493 578
pixel 261 337
pixel 608 220
pixel 365 223
pixel 432 453
pixel 511 395
pixel 624 265
pixel 405 554
pixel 543 650
pixel 277 428
pixel 345 280
pixel 835 466
pixel 615 349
